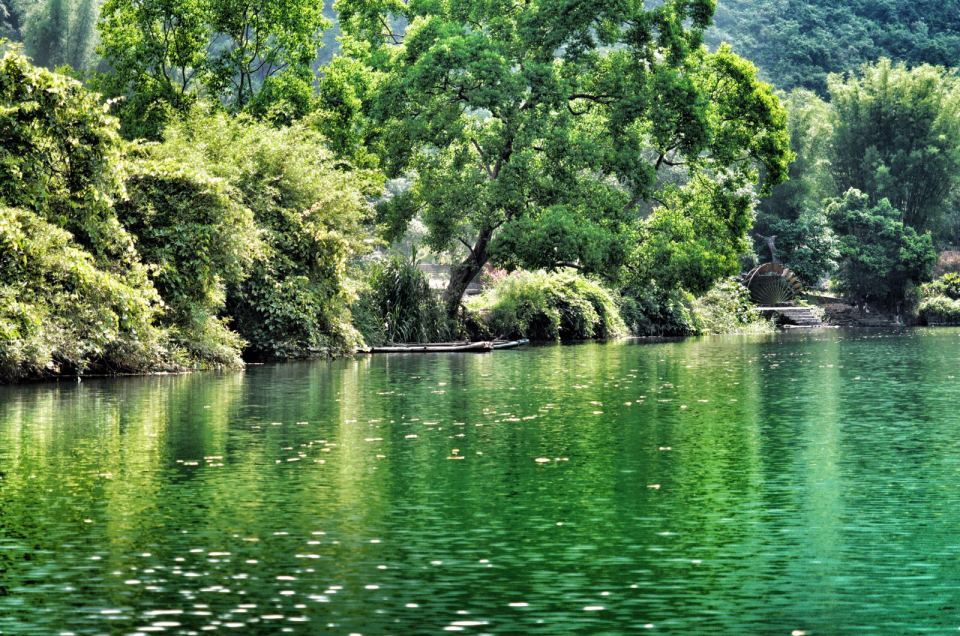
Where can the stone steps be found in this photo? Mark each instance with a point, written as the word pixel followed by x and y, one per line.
pixel 793 316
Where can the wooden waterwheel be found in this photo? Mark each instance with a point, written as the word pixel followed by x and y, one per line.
pixel 772 284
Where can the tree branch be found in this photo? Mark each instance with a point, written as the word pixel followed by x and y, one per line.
pixel 390 34
pixel 468 246
pixel 483 160
pixel 634 202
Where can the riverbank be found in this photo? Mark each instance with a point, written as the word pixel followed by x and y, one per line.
pixel 842 312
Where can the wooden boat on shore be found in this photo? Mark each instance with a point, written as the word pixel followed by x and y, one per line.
pixel 449 347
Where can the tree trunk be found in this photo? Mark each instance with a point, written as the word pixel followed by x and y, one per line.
pixel 771 242
pixel 462 274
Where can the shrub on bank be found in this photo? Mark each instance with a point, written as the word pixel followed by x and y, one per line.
pixel 166 255
pixel 73 294
pixel 727 309
pixel 548 306
pixel 947 285
pixel 397 305
pixel 879 255
pixel 940 310
pixel 655 312
pixel 197 239
pixel 61 313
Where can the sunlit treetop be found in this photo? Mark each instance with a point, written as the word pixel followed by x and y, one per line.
pixel 536 129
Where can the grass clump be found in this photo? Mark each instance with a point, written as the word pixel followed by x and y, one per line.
pixel 547 306
pixel 939 310
pixel 397 305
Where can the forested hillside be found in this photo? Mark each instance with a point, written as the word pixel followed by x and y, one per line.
pixel 797 43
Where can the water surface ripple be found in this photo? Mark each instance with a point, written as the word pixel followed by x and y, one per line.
pixel 798 482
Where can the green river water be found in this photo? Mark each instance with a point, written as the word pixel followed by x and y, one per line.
pixel 774 484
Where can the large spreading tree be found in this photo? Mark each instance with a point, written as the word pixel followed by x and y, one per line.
pixel 535 131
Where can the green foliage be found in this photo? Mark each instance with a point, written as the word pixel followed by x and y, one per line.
pixel 310 214
pixel 940 310
pixel 694 239
pixel 727 309
pixel 947 285
pixel 807 245
pixel 892 133
pixel 55 33
pixel 74 295
pixel 198 239
pixel 61 313
pixel 897 137
pixel 254 56
pixel 545 306
pixel 534 133
pixel 339 109
pixel 61 157
pixel 399 306
pixel 798 43
pixel 879 255
pixel 792 215
pixel 651 311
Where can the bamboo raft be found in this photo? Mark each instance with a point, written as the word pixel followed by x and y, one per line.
pixel 450 347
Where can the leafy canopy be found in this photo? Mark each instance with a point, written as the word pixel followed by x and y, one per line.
pixel 310 215
pixel 72 293
pixel 534 130
pixel 897 137
pixel 252 55
pixel 792 216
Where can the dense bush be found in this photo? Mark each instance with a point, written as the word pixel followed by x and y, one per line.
pixel 655 312
pixel 940 310
pixel 727 309
pixel 310 211
pixel 398 305
pixel 73 294
pixel 879 255
pixel 143 257
pixel 61 157
pixel 60 313
pixel 947 285
pixel 545 306
pixel 197 238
